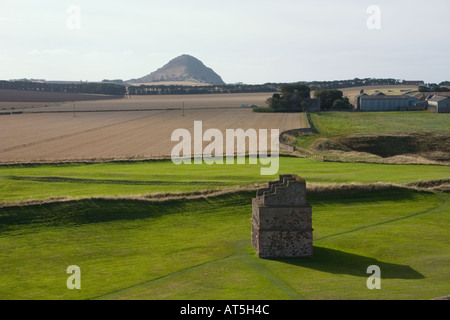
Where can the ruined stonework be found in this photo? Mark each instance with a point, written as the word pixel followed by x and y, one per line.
pixel 282 220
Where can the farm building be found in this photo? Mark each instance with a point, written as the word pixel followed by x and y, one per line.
pixel 413 82
pixel 439 104
pixel 358 99
pixel 415 105
pixel 382 102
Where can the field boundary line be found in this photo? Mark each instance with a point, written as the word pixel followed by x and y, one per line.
pixel 312 189
pixel 167 276
pixel 276 281
pixel 128 159
pixel 128 110
pixel 155 198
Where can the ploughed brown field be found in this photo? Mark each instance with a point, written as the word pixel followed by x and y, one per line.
pixel 138 127
pixel 23 98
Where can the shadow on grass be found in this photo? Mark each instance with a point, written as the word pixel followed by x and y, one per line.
pixel 94 210
pixel 340 262
pixel 349 195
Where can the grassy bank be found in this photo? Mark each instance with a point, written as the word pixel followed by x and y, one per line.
pixel 417 137
pixel 140 178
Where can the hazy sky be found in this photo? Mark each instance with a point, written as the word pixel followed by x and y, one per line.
pixel 243 41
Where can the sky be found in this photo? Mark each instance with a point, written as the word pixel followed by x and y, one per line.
pixel 245 41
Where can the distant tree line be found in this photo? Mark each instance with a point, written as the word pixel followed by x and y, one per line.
pixel 179 89
pixel 85 87
pixel 433 89
pixel 117 87
pixel 445 83
pixel 245 88
pixel 339 84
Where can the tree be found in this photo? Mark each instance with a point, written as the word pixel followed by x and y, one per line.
pixel 433 89
pixel 292 97
pixel 275 101
pixel 301 90
pixel 328 97
pixel 343 103
pixel 441 89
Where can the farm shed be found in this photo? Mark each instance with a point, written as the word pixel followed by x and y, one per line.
pixel 439 104
pixel 415 105
pixel 382 102
pixel 358 99
pixel 413 82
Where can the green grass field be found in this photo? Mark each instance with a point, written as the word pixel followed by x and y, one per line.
pixel 140 178
pixel 330 124
pixel 200 249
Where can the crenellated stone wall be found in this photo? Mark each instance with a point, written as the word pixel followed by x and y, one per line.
pixel 282 219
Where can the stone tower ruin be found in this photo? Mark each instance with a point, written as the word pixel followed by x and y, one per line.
pixel 282 220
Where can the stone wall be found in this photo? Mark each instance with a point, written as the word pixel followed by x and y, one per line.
pixel 282 219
